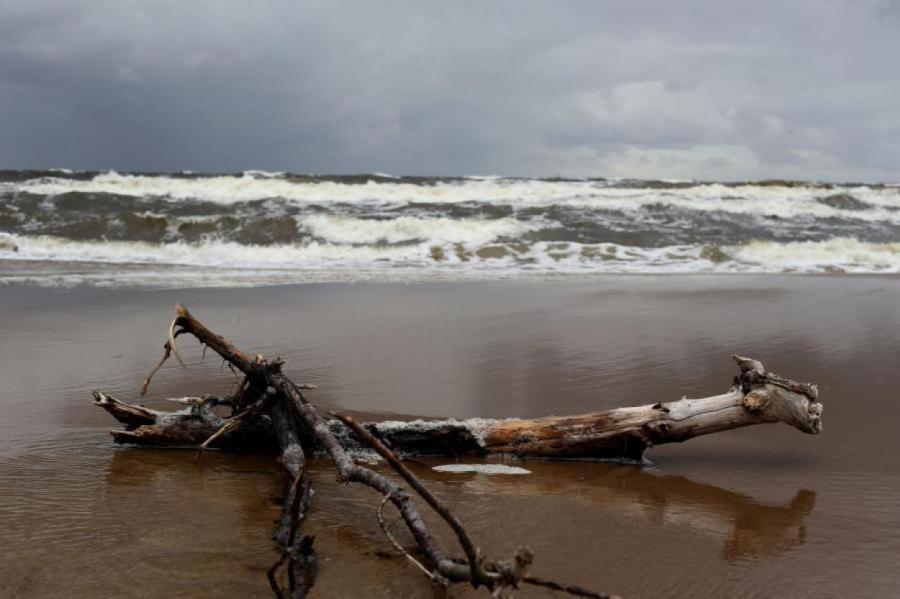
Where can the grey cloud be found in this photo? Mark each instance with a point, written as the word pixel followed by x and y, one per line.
pixel 718 90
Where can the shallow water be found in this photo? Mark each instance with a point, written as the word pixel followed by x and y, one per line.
pixel 761 511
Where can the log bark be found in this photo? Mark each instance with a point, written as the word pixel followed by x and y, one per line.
pixel 757 397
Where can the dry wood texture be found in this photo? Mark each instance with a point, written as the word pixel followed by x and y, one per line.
pixel 618 434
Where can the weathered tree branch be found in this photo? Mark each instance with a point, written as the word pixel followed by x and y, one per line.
pixel 475 566
pixel 757 397
pixel 269 411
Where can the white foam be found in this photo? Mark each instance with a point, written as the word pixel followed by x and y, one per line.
pixel 840 254
pixel 264 174
pixel 417 261
pixel 348 230
pixel 760 200
pixel 481 469
pixel 228 189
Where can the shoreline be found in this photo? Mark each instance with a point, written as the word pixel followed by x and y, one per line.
pixel 135 275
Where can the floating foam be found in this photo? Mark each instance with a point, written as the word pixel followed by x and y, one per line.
pixel 481 469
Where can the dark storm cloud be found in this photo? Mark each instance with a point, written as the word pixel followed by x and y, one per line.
pixel 667 89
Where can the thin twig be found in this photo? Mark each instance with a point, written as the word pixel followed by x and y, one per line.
pixel 207 400
pixel 394 542
pixel 270 574
pixel 167 351
pixel 235 422
pixel 300 490
pixel 299 502
pixel 566 588
pixel 172 345
pixel 479 576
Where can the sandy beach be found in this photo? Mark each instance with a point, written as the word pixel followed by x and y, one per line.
pixel 760 511
pixel 516 300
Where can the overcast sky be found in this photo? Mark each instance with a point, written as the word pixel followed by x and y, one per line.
pixel 677 89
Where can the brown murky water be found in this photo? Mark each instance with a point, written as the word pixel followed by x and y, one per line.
pixel 762 511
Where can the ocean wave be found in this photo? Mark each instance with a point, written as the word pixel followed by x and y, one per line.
pixel 431 259
pixel 842 254
pixel 279 227
pixel 780 199
pixel 406 229
pixel 258 174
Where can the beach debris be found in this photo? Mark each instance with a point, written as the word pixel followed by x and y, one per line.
pixel 269 412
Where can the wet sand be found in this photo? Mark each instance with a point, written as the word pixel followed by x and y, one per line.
pixel 761 511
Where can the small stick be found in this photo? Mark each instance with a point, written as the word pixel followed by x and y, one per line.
pixel 270 574
pixel 566 588
pixel 206 400
pixel 394 542
pixel 235 422
pixel 167 351
pixel 478 574
pixel 300 501
pixel 300 490
pixel 171 342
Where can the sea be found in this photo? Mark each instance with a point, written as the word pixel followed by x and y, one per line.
pixel 70 228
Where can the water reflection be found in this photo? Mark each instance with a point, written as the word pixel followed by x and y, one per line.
pixel 747 526
pixel 216 512
pixel 251 486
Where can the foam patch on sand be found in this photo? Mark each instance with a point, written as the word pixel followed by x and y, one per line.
pixel 481 469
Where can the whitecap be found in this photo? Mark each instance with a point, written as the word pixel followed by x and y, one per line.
pixel 348 230
pixel 782 201
pixel 359 254
pixel 264 174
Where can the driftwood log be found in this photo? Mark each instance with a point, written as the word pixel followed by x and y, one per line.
pixel 269 412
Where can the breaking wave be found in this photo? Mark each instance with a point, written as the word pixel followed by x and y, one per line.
pixel 783 199
pixel 257 227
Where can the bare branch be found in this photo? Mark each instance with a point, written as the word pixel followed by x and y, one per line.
pixel 397 546
pixel 566 588
pixel 478 574
pixel 130 415
pixel 235 422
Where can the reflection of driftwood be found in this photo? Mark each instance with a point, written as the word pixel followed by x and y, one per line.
pixel 748 526
pixel 270 411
